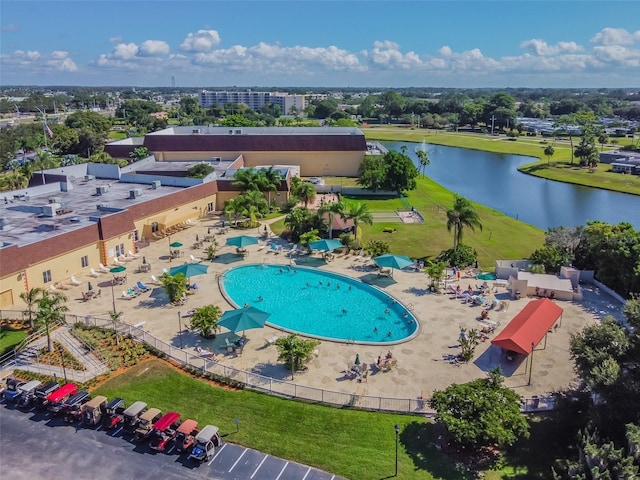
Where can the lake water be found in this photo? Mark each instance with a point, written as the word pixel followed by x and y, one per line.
pixel 492 179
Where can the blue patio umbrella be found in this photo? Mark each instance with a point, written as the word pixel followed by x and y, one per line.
pixel 393 261
pixel 189 269
pixel 325 245
pixel 242 241
pixel 243 319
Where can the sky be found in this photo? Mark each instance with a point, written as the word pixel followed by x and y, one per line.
pixel 322 43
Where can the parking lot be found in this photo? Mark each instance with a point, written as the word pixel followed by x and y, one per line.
pixel 35 445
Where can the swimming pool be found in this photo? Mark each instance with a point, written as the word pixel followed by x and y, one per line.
pixel 320 304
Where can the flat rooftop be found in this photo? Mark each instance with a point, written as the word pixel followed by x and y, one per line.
pixel 226 131
pixel 29 216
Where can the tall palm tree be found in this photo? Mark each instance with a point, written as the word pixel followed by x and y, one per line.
pixel 247 179
pixel 359 213
pixel 306 192
pixel 424 159
pixel 31 298
pixel 460 216
pixel 272 179
pixel 51 309
pixel 331 209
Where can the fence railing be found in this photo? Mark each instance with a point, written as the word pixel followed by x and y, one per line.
pixel 278 387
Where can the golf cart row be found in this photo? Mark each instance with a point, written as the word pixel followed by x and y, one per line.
pixel 163 432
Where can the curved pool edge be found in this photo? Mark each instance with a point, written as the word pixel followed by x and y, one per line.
pixel 417 331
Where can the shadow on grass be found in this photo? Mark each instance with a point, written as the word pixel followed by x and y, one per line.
pixel 419 441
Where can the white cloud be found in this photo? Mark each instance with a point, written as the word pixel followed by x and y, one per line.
pixel 445 51
pixel 152 48
pixel 542 48
pixel 56 61
pixel 615 36
pixel 125 51
pixel 388 55
pixel 202 41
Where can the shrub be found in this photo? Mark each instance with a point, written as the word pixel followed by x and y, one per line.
pixel 461 257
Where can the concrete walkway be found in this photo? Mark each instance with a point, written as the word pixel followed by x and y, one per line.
pixel 423 362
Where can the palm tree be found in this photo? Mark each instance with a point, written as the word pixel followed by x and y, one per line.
pixel 31 298
pixel 115 317
pixel 51 309
pixel 462 215
pixel 331 209
pixel 306 192
pixel 247 179
pixel 272 180
pixel 359 213
pixel 549 151
pixel 44 160
pixel 424 159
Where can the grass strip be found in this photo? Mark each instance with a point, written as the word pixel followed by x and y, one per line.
pixel 351 443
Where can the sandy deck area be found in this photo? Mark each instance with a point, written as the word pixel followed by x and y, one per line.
pixel 421 368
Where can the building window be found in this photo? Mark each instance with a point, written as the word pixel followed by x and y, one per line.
pixel 46 276
pixel 210 207
pixel 136 236
pixel 154 227
pixel 120 250
pixel 85 261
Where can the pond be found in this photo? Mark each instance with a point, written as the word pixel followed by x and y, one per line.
pixel 493 179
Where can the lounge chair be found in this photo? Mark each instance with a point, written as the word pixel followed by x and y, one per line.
pixel 75 281
pixel 95 273
pixel 134 255
pixel 142 286
pixel 358 257
pixel 117 262
pixel 195 260
pixel 126 295
pixel 271 340
pixel 155 280
pixel 53 289
pixel 156 236
pixel 103 268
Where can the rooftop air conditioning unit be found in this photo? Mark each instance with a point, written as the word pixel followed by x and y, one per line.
pixel 89 177
pixel 135 193
pixel 238 132
pixel 216 159
pixel 195 131
pixel 155 184
pixel 230 132
pixel 102 206
pixel 55 200
pixel 102 189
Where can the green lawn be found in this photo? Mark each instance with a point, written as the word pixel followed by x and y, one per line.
pixel 502 237
pixel 351 443
pixel 560 168
pixel 9 338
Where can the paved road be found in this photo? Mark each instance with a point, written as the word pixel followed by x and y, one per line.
pixel 34 445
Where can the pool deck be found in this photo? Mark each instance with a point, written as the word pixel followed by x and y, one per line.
pixel 422 364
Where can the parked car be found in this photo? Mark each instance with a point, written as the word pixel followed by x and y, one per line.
pixel 93 411
pixel 145 423
pixel 206 443
pixel 72 407
pixel 42 393
pixel 113 414
pixel 186 436
pixel 28 394
pixel 56 399
pixel 131 416
pixel 164 431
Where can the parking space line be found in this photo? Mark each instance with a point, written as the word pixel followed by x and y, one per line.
pixel 116 432
pixel 171 449
pixel 305 475
pixel 216 455
pixel 282 471
pixel 241 455
pixel 258 468
pixel 99 428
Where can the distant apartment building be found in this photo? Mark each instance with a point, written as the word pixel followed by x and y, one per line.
pixel 254 100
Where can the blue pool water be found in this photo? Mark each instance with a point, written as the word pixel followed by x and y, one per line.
pixel 320 304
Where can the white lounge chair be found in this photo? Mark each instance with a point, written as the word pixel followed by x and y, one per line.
pixel 74 281
pixel 190 223
pixel 359 256
pixel 117 262
pixel 156 236
pixel 95 273
pixel 134 255
pixel 103 268
pixel 165 270
pixel 195 260
pixel 155 280
pixel 293 250
pixel 52 288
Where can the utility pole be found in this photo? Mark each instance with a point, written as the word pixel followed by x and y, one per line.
pixel 493 120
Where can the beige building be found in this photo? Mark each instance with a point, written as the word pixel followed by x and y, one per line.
pixel 84 216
